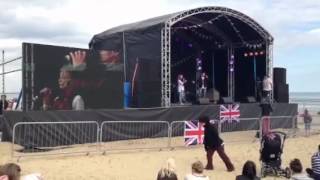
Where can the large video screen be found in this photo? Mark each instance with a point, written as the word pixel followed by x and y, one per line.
pixel 64 78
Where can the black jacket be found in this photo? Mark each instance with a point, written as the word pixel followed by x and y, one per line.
pixel 266 109
pixel 211 137
pixel 241 177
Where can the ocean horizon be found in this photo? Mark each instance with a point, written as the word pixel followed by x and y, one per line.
pixel 306 100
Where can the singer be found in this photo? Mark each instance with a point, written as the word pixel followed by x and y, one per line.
pixel 202 85
pixel 181 89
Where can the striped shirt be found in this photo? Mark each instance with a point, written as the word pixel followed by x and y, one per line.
pixel 315 163
pixel 300 176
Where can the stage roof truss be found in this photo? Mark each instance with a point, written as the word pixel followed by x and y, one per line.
pixel 268 39
pixel 256 36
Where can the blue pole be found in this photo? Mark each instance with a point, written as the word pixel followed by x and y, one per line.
pixel 127 94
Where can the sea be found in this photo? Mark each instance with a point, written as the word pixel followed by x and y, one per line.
pixel 306 100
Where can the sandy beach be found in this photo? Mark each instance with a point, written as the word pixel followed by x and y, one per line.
pixel 144 165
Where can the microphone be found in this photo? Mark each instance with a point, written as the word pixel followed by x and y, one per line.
pixel 35 98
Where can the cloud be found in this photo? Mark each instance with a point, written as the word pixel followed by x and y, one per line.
pixel 295 24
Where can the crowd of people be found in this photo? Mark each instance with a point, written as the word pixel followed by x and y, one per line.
pixel 249 170
pixel 213 142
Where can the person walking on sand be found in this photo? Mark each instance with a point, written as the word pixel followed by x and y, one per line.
pixel 212 142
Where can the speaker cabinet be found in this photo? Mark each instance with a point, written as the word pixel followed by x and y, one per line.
pixel 281 93
pixel 204 101
pixel 279 76
pixel 226 100
pixel 251 99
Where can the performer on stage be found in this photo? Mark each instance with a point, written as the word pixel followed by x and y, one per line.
pixel 203 85
pixel 267 86
pixel 181 89
pixel 212 142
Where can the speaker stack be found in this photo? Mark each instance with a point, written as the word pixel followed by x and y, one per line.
pixel 281 88
pixel 204 101
pixel 226 100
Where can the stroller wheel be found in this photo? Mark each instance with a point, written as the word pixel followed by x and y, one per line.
pixel 263 173
pixel 288 172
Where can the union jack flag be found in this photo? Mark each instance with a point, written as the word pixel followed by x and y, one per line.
pixel 229 113
pixel 193 133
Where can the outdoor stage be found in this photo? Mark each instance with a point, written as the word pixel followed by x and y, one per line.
pixel 136 66
pixel 179 113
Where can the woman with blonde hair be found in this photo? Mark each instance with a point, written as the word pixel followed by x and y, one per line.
pixel 167 172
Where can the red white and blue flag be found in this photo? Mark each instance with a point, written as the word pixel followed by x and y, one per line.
pixel 193 133
pixel 230 113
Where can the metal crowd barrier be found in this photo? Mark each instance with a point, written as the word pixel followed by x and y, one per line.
pixel 314 126
pixel 131 135
pixel 51 138
pixel 46 138
pixel 176 134
pixel 242 131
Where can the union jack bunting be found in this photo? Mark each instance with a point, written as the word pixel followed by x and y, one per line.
pixel 193 133
pixel 229 113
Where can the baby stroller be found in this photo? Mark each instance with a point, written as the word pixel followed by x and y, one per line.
pixel 270 155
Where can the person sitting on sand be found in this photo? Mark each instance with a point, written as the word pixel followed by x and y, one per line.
pixel 212 142
pixel 167 172
pixel 4 177
pixel 10 171
pixel 296 169
pixel 197 172
pixel 249 172
pixel 34 176
pixel 314 172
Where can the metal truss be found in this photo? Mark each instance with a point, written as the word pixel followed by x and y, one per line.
pixel 231 82
pixel 165 66
pixel 166 46
pixel 269 62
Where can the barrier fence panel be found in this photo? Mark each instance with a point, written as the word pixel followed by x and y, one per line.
pixel 48 138
pixel 177 134
pixel 130 135
pixel 244 130
pixel 286 124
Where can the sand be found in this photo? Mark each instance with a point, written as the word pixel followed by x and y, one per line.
pixel 144 165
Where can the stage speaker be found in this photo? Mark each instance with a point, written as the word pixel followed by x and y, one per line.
pixel 226 100
pixel 251 99
pixel 204 101
pixel 279 76
pixel 281 93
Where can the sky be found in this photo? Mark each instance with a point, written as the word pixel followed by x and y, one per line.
pixel 294 24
